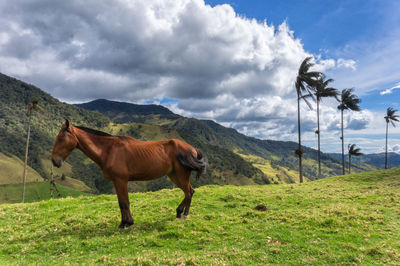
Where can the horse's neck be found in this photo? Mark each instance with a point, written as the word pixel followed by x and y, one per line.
pixel 92 145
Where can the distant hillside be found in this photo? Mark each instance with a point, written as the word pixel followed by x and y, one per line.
pixel 343 220
pixel 14 97
pixel 375 159
pixel 226 167
pixel 128 112
pixel 12 169
pixel 234 158
pixel 280 165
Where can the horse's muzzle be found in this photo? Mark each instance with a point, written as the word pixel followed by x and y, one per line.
pixel 57 163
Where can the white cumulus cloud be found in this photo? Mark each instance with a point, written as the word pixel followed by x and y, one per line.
pixel 212 62
pixel 389 91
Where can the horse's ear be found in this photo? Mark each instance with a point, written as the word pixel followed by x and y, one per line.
pixel 65 125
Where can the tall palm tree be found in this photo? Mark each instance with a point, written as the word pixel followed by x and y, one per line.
pixel 305 81
pixel 353 151
pixel 348 101
pixel 32 106
pixel 322 91
pixel 390 117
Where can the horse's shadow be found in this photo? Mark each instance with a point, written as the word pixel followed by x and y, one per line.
pixel 106 228
pixel 111 228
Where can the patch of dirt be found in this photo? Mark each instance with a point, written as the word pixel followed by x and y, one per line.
pixel 261 207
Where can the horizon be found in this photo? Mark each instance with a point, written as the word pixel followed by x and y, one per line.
pixel 233 62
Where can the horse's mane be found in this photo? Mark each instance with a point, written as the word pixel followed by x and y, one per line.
pixel 94 131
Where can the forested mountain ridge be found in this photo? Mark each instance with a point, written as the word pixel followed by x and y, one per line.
pixel 375 159
pixel 226 167
pixel 234 158
pixel 14 97
pixel 278 155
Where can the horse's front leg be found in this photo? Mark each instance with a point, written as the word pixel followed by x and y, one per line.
pixel 121 187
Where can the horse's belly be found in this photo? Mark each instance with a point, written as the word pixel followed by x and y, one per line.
pixel 147 176
pixel 150 171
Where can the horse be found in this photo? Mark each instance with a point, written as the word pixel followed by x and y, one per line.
pixel 123 159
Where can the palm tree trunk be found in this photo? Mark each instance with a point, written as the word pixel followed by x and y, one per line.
pixel 51 182
pixel 349 164
pixel 386 149
pixel 300 151
pixel 319 143
pixel 343 167
pixel 26 158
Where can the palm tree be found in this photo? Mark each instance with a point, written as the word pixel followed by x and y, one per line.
pixel 322 91
pixel 305 82
pixel 390 117
pixel 353 151
pixel 348 101
pixel 32 106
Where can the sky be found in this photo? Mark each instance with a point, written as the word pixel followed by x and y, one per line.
pixel 233 62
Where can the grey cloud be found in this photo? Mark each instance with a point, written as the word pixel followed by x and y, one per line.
pixel 357 124
pixel 216 64
pixel 205 51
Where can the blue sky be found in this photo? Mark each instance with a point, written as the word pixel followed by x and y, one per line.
pixel 213 61
pixel 351 29
pixel 322 25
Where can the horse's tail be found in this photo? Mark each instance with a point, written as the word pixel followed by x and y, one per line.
pixel 198 164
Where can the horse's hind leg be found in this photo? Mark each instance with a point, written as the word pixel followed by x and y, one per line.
pixel 121 187
pixel 188 201
pixel 183 182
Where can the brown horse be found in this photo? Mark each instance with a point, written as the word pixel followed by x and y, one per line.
pixel 124 159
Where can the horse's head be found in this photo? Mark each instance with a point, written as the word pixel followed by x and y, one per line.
pixel 65 142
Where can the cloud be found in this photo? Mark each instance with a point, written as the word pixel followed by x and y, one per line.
pixel 211 62
pixel 376 61
pixel 395 148
pixel 349 63
pixel 140 50
pixel 389 91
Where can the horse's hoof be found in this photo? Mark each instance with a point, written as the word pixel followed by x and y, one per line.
pixel 184 217
pixel 125 225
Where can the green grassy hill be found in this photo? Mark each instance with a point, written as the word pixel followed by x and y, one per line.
pixel 14 97
pixel 352 219
pixel 35 191
pixel 12 170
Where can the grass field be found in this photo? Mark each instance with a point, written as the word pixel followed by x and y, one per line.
pixel 351 219
pixel 33 192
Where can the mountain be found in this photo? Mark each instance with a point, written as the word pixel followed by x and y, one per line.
pixel 234 158
pixel 276 159
pixel 127 112
pixel 14 97
pixel 375 159
pixel 226 167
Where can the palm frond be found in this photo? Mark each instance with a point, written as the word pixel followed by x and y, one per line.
pixel 323 91
pixel 306 78
pixel 304 97
pixel 348 100
pixel 353 151
pixel 391 116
